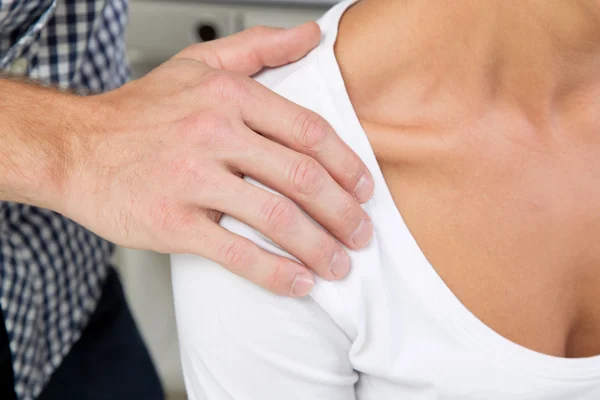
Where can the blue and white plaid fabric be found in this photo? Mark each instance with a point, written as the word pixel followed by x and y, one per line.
pixel 51 269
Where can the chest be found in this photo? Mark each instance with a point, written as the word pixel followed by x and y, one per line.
pixel 511 223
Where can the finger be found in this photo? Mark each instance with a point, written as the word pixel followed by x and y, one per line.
pixel 280 220
pixel 253 49
pixel 239 255
pixel 307 183
pixel 304 131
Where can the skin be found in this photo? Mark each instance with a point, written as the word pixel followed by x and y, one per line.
pixel 484 119
pixel 154 164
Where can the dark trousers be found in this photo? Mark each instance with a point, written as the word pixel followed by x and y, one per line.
pixel 109 361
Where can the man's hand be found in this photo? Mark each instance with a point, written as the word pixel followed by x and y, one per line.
pixel 162 157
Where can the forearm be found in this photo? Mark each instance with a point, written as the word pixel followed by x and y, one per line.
pixel 36 142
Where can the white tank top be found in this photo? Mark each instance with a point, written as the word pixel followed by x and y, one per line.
pixel 391 330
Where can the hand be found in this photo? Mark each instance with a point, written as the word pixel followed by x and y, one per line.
pixel 161 158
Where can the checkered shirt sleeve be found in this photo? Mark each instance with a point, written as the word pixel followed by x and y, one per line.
pixel 52 269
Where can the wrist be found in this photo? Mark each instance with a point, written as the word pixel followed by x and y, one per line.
pixel 38 135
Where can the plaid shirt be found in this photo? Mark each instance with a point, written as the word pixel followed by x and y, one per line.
pixel 51 269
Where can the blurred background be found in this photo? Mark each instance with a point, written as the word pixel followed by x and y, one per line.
pixel 157 30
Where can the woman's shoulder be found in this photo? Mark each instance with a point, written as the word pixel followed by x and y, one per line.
pixel 305 81
pixel 299 82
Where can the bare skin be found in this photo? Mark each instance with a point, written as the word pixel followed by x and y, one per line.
pixel 154 164
pixel 485 119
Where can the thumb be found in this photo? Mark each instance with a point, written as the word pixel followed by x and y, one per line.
pixel 250 51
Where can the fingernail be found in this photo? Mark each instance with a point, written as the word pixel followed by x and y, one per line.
pixel 364 189
pixel 362 235
pixel 340 264
pixel 303 285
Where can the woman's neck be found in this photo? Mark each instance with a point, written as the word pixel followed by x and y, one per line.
pixel 447 61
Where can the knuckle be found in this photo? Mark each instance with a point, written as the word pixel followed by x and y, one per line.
pixel 204 182
pixel 237 254
pixel 275 276
pixel 191 172
pixel 305 175
pixel 206 129
pixel 260 30
pixel 224 86
pixel 167 215
pixel 323 251
pixel 214 80
pixel 279 214
pixel 310 130
pixel 184 169
pixel 212 58
pixel 350 165
pixel 195 240
pixel 348 211
pixel 191 238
